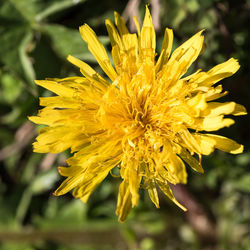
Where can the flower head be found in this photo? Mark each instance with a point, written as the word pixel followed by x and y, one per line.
pixel 147 120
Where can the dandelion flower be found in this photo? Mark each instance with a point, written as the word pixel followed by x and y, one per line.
pixel 147 119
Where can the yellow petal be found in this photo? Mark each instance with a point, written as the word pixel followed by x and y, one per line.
pixel 59 102
pixel 221 71
pixel 85 198
pixel 153 194
pixel 230 66
pixel 124 203
pixel 126 42
pixel 239 110
pixel 69 171
pixel 191 161
pixel 212 123
pixel 62 117
pixel 217 108
pixel 190 142
pixel 174 165
pixel 131 45
pixel 225 108
pixel 137 25
pixel 148 38
pixel 187 53
pixel 89 73
pixel 167 191
pixel 116 54
pixel 148 32
pixel 207 145
pixel 57 88
pixel 177 167
pixel 225 144
pixel 215 93
pixel 218 73
pixel 91 180
pixel 70 183
pixel 134 181
pixel 53 140
pixel 198 104
pixel 167 41
pixel 165 49
pixel 92 173
pixel 114 36
pixel 119 21
pixel 98 50
pixel 166 175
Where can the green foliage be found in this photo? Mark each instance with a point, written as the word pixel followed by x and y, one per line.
pixel 35 38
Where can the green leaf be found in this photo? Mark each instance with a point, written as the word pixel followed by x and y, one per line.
pixel 70 215
pixel 15 36
pixel 243 183
pixel 11 88
pixel 41 183
pixel 26 62
pixel 29 171
pixel 192 5
pixel 27 8
pixel 16 246
pixel 179 17
pixel 10 14
pixel 66 41
pixel 10 37
pixel 19 112
pixel 34 11
pixel 56 6
pixel 44 181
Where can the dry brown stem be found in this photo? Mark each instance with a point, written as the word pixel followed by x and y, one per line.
pixel 48 161
pixel 156 14
pixel 196 215
pixel 130 11
pixel 23 137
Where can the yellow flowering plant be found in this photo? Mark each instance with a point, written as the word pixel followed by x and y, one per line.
pixel 147 120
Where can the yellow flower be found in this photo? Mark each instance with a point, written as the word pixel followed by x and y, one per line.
pixel 147 120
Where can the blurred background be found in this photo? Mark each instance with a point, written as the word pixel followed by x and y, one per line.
pixel 35 38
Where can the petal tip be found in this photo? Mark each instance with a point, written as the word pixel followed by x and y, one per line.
pixel 38 82
pixel 239 150
pixel 55 193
